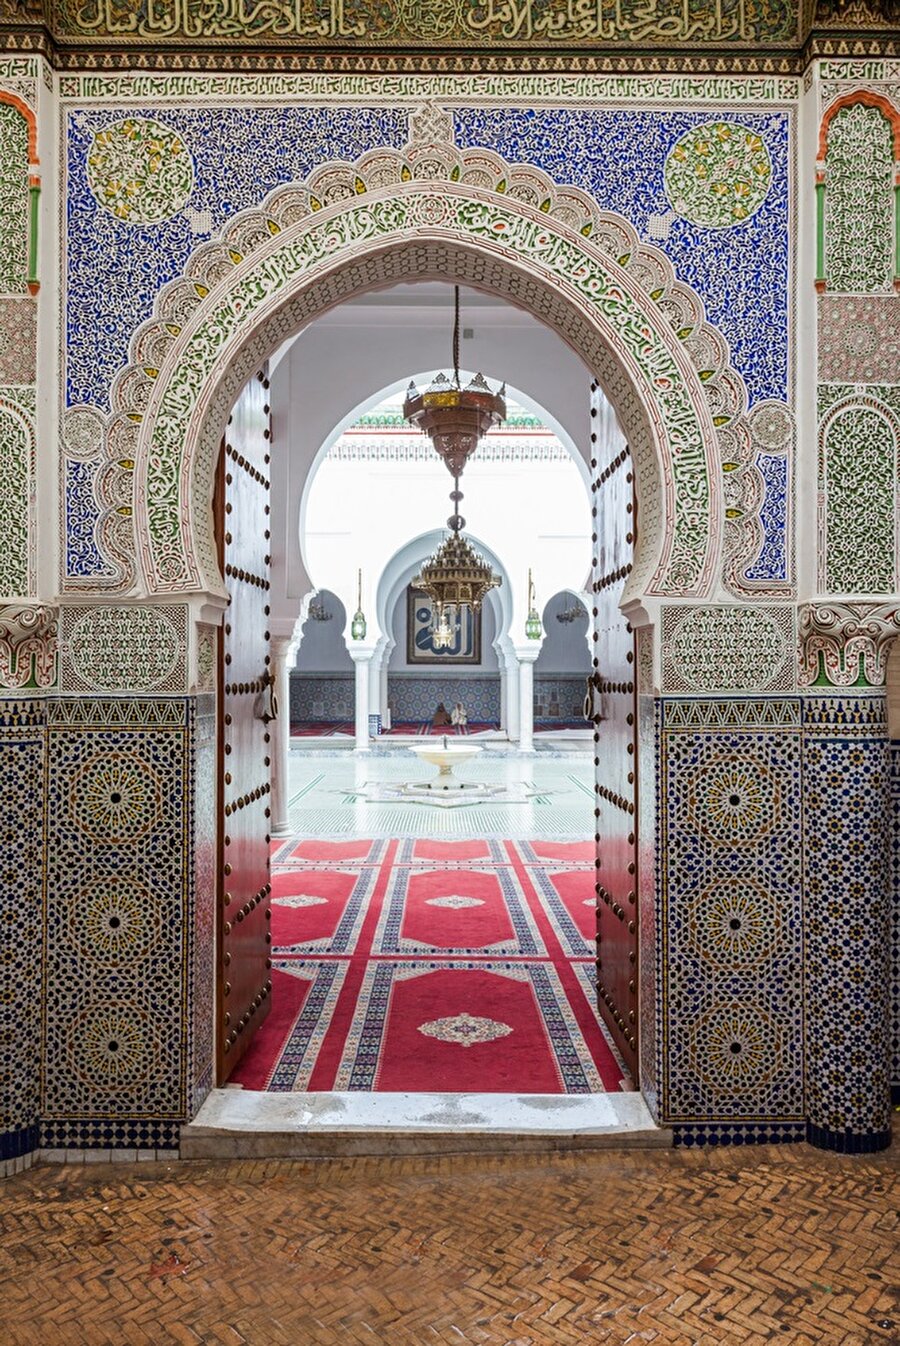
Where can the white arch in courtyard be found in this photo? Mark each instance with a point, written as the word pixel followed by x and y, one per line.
pixel 546 249
pixel 358 514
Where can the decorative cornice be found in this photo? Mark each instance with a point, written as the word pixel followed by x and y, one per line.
pixel 846 644
pixel 858 30
pixel 399 25
pixel 28 645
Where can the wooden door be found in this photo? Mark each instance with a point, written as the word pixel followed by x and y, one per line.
pixel 242 515
pixel 614 705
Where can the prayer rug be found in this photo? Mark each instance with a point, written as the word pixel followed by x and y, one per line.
pixel 425 965
pixel 467 1027
pixel 425 727
pixel 321 728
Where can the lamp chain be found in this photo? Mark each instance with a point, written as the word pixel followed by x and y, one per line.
pixel 456 334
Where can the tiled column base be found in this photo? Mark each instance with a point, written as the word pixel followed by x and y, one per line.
pixel 846 885
pixel 848 1142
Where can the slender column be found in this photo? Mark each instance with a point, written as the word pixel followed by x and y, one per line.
pixel 512 698
pixel 526 700
pixel 504 718
pixel 375 682
pixel 279 647
pixel 362 660
pixel 383 688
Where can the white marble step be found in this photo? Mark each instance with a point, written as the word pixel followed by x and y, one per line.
pixel 243 1123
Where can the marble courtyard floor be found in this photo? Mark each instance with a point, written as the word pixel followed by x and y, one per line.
pixel 738 1247
pixel 330 792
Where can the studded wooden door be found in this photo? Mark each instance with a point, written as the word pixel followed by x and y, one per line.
pixel 613 709
pixel 245 707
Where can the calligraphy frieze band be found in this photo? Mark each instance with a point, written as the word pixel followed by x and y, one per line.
pixel 429 23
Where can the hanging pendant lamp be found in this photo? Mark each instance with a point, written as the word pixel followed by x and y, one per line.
pixel 455 419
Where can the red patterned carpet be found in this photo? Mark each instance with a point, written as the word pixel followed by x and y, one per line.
pixel 458 966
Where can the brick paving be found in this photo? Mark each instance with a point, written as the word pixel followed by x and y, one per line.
pixel 686 1248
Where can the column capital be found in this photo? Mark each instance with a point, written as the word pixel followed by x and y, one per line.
pixel 280 645
pixel 526 654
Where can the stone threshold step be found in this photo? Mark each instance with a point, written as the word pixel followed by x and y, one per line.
pixel 238 1123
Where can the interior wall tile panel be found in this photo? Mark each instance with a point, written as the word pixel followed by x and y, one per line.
pixel 22 746
pixel 117 922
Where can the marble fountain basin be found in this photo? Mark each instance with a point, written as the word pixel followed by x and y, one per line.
pixel 445 756
pixel 445 789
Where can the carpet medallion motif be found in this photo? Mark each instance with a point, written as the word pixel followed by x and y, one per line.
pixel 465 1030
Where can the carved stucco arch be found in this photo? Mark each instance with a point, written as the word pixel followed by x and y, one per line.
pixel 430 211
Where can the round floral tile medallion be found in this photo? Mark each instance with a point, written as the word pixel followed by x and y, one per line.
pixel 139 170
pixel 718 174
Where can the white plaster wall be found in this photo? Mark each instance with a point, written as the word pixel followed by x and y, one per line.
pixel 322 647
pixel 341 362
pixel 533 515
pixel 565 648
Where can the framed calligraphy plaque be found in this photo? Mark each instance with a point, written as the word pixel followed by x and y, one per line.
pixel 465 648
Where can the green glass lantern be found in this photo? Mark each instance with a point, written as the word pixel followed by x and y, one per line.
pixel 358 624
pixel 533 626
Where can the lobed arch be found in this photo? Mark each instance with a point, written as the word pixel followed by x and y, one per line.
pixel 32 187
pixel 868 98
pixel 856 98
pixel 353 228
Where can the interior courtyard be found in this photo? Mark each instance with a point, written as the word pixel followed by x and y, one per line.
pixel 450 678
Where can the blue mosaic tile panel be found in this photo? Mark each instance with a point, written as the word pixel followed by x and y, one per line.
pixel 846 884
pixel 412 698
pixel 238 155
pixel 649 969
pixel 324 698
pixel 22 748
pixel 730 847
pixel 688 1135
pixel 772 562
pixel 619 157
pixel 117 926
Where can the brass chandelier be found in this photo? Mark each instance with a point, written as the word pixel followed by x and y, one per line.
pixel 455 419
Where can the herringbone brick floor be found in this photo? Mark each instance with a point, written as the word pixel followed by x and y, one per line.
pixel 687 1248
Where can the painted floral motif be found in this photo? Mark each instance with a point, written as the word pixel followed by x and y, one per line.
pixel 455 901
pixel 17 472
pixel 718 174
pixel 859 452
pixel 116 648
pixel 206 658
pixel 299 900
pixel 772 426
pixel 139 170
pixel 465 1030
pixel 18 340
pixel 859 338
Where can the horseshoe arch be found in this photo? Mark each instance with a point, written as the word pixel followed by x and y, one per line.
pixel 428 212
